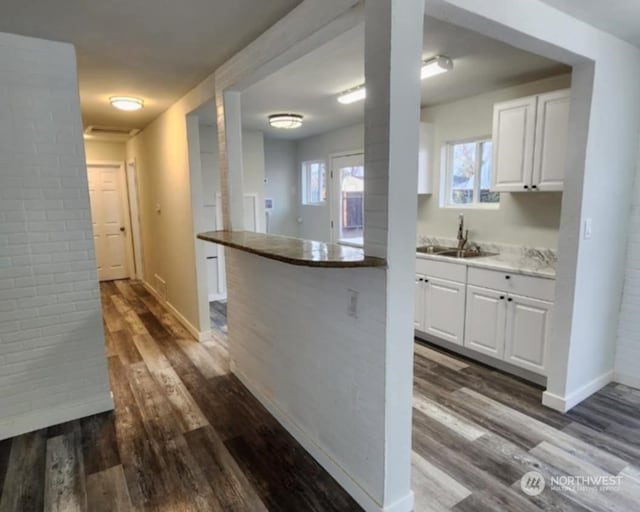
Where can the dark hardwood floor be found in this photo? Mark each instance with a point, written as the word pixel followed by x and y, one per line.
pixel 187 436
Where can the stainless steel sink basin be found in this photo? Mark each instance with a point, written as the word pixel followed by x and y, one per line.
pixel 465 253
pixel 453 252
pixel 434 249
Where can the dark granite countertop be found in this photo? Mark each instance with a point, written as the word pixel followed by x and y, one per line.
pixel 294 251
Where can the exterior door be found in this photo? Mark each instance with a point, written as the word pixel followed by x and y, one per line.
pixel 347 202
pixel 513 137
pixel 528 330
pixel 485 321
pixel 552 128
pixel 109 214
pixel 444 306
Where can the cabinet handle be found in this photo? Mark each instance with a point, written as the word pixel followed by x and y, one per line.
pixel 526 187
pixel 501 297
pixel 507 277
pixel 534 186
pixel 510 299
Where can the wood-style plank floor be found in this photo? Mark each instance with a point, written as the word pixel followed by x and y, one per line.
pixel 186 435
pixel 477 432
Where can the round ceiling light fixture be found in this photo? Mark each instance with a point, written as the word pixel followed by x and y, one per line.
pixel 127 103
pixel 285 121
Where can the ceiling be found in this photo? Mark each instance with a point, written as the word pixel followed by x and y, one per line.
pixel 620 17
pixel 309 86
pixel 154 49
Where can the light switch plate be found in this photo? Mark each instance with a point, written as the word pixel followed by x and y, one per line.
pixel 588 228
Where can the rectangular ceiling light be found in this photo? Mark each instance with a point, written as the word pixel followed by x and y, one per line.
pixel 435 66
pixel 432 67
pixel 353 95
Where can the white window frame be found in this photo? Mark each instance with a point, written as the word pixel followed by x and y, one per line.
pixel 447 175
pixel 305 169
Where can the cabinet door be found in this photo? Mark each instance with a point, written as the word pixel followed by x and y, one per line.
pixel 418 322
pixel 444 309
pixel 485 321
pixel 528 330
pixel 513 136
pixel 550 150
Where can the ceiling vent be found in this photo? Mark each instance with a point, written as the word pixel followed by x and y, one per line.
pixel 110 132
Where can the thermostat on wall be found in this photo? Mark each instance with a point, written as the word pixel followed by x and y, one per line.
pixel 268 203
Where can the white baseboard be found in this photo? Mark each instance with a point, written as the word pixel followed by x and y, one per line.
pixel 43 418
pixel 633 381
pixel 568 402
pixel 198 335
pixel 368 503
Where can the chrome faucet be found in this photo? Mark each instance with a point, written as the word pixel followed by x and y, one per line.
pixel 462 234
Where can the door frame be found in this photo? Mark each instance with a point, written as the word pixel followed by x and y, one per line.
pixel 135 215
pixel 331 191
pixel 124 206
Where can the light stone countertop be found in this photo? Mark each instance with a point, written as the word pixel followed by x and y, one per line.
pixel 527 261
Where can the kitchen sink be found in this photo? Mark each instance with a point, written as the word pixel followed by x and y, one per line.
pixel 465 253
pixel 453 252
pixel 434 249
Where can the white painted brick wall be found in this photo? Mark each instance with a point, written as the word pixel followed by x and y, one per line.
pixel 52 360
pixel 627 369
pixel 322 368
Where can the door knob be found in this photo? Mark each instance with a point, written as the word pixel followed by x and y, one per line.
pixel 122 228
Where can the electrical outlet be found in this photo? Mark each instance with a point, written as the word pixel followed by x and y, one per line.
pixel 352 308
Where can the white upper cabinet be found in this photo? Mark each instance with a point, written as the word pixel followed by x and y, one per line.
pixel 425 156
pixel 549 157
pixel 529 143
pixel 514 125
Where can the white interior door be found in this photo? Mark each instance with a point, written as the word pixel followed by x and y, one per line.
pixel 347 199
pixel 107 191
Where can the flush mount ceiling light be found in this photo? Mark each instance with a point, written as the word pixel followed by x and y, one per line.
pixel 127 103
pixel 285 121
pixel 352 95
pixel 432 67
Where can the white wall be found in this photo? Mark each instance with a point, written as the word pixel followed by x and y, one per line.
pixel 300 352
pixel 104 150
pixel 281 175
pixel 52 360
pixel 527 219
pixel 521 219
pixel 315 218
pixel 628 346
pixel 253 153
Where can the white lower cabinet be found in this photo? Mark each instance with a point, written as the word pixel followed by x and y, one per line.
pixel 502 315
pixel 485 321
pixel 510 327
pixel 444 311
pixel 527 332
pixel 418 321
